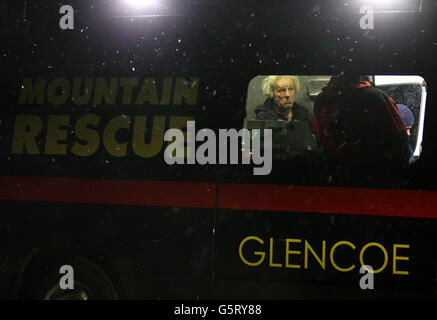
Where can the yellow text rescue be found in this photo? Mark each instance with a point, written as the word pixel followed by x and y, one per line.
pixel 48 133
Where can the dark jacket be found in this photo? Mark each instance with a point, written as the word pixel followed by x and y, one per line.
pixel 358 123
pixel 268 111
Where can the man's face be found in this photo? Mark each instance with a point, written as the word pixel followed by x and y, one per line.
pixel 283 93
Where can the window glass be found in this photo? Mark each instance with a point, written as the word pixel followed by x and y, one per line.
pixel 364 119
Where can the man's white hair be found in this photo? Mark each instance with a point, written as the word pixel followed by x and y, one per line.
pixel 268 84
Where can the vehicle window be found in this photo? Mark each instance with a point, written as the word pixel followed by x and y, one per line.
pixel 409 95
pixel 352 116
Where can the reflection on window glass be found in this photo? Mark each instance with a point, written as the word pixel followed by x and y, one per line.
pixel 351 119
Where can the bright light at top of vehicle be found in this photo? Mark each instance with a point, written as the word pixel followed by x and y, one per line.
pixel 394 6
pixel 383 2
pixel 141 3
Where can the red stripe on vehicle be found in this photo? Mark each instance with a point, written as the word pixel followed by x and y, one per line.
pixel 387 202
pixel 132 192
pixel 335 200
